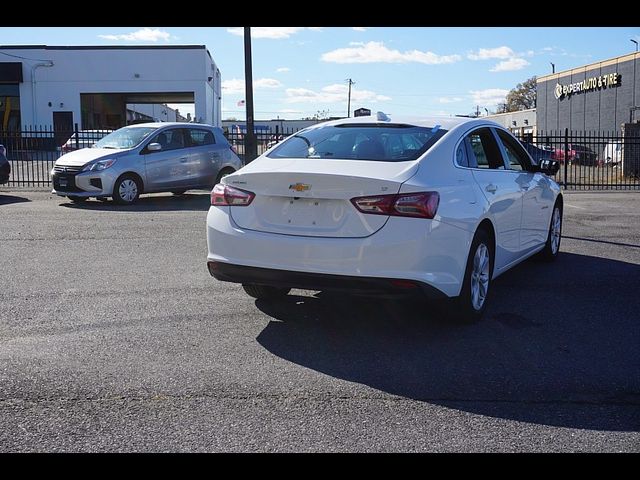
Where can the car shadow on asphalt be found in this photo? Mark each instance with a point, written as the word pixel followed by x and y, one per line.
pixel 8 199
pixel 558 343
pixel 193 200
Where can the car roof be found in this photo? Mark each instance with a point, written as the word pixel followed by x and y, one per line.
pixel 169 124
pixel 430 121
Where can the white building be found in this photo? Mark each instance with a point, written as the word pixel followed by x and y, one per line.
pixel 92 85
pixel 153 112
pixel 521 123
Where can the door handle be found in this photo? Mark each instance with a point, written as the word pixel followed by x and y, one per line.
pixel 183 160
pixel 491 188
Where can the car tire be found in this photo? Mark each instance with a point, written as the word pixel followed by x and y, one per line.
pixel 126 190
pixel 470 305
pixel 77 199
pixel 223 173
pixel 552 247
pixel 265 292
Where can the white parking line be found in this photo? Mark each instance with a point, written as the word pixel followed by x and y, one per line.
pixel 575 206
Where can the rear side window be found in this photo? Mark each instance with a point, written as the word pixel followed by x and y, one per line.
pixel 374 142
pixel 461 154
pixel 201 137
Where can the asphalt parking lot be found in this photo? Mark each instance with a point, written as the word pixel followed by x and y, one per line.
pixel 113 337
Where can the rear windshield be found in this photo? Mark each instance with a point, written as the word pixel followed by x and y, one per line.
pixel 382 143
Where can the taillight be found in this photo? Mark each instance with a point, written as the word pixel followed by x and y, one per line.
pixel 226 196
pixel 419 205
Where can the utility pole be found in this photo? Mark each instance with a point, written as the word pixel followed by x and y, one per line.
pixel 351 82
pixel 477 111
pixel 250 144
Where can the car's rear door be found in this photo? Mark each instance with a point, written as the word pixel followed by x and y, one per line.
pixel 204 157
pixel 501 190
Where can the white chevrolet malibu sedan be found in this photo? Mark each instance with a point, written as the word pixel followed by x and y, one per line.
pixel 438 206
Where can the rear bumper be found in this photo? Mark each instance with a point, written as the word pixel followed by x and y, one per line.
pixel 426 252
pixel 227 272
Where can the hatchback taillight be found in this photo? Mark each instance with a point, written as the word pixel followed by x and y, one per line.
pixel 226 196
pixel 419 205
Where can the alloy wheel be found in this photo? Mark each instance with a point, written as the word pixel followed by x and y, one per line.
pixel 480 276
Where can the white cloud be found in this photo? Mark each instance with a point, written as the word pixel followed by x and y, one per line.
pixel 236 85
pixel 336 93
pixel 283 69
pixel 450 99
pixel 489 97
pixel 489 53
pixel 144 35
pixel 266 83
pixel 374 52
pixel 271 32
pixel 510 65
pixel 359 29
pixel 510 59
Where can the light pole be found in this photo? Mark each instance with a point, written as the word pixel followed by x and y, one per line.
pixel 553 67
pixel 636 42
pixel 250 143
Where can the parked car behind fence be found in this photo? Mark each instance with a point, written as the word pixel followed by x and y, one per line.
pixel 83 139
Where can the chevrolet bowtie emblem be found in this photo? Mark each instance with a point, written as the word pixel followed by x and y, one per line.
pixel 300 187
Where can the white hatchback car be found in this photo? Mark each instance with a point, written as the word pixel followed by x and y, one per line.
pixel 439 206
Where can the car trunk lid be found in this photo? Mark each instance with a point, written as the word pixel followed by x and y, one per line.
pixel 311 197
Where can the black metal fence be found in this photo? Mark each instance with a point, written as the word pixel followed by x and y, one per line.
pixel 33 151
pixel 264 138
pixel 588 160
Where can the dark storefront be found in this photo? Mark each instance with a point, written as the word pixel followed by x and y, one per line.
pixel 597 97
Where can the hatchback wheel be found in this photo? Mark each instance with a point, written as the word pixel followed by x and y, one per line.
pixel 265 292
pixel 472 302
pixel 126 190
pixel 223 173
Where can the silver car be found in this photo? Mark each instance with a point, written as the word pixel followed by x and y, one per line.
pixel 145 158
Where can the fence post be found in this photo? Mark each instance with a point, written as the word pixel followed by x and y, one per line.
pixel 75 130
pixel 566 156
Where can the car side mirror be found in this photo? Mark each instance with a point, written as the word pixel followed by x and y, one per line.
pixel 154 147
pixel 549 167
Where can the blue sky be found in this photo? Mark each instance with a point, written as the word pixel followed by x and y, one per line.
pixel 300 71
